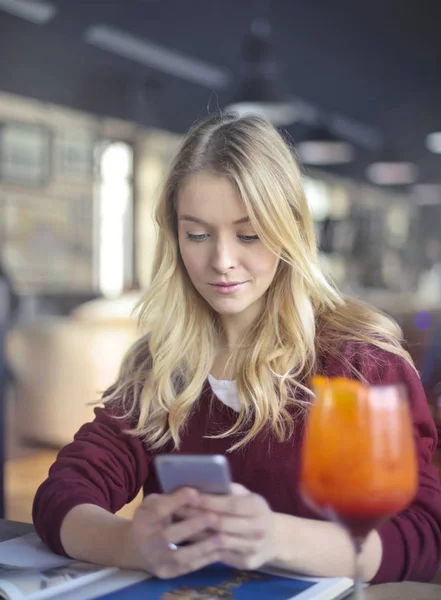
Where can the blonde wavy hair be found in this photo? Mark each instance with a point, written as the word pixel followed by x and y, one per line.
pixel 164 373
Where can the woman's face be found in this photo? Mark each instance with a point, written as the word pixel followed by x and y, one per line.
pixel 225 260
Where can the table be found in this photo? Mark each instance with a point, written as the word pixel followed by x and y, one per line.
pixel 390 591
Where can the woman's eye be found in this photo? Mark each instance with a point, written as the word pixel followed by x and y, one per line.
pixel 196 237
pixel 249 238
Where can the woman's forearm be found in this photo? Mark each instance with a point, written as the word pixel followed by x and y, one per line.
pixel 90 533
pixel 322 549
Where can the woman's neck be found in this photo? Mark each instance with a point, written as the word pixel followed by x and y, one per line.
pixel 222 367
pixel 234 327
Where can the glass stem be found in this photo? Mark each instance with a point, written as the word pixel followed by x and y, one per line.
pixel 358 568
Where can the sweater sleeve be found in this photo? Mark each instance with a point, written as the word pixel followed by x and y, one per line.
pixel 411 540
pixel 103 466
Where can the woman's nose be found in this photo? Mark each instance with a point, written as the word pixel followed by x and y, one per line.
pixel 223 258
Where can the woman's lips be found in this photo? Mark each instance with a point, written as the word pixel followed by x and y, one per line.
pixel 228 288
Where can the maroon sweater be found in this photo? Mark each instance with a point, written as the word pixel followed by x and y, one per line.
pixel 106 467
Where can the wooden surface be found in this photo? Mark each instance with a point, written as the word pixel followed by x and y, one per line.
pixel 390 591
pixel 23 475
pixel 407 590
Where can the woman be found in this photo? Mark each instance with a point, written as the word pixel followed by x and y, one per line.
pixel 238 306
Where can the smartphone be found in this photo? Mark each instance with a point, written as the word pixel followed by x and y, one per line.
pixel 208 473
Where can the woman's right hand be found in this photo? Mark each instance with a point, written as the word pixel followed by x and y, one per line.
pixel 152 536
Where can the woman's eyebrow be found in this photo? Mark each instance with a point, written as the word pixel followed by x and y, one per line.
pixel 202 222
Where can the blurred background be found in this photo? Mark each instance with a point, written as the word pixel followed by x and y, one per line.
pixel 94 99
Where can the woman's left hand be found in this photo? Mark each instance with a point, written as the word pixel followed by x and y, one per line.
pixel 245 527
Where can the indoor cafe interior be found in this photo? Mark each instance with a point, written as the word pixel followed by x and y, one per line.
pixel 94 100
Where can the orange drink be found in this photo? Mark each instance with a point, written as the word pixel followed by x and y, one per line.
pixel 358 464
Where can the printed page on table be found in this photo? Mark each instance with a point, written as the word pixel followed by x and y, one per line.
pixel 18 583
pixel 29 570
pixel 220 581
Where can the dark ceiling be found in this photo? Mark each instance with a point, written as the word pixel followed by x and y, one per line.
pixel 377 63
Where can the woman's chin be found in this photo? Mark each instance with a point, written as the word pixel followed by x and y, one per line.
pixel 227 308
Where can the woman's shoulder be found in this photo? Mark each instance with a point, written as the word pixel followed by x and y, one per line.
pixel 382 363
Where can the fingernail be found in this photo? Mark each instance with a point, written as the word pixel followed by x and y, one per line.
pixel 197 498
pixel 192 494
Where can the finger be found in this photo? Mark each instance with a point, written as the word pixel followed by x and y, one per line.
pixel 237 544
pixel 237 489
pixel 190 558
pixel 170 569
pixel 184 514
pixel 184 530
pixel 200 536
pixel 249 528
pixel 188 512
pixel 161 506
pixel 238 560
pixel 241 505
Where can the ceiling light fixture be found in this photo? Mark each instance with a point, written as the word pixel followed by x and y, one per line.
pixel 390 169
pixel 321 147
pixel 36 11
pixel 259 91
pixel 433 142
pixel 151 55
pixel 390 173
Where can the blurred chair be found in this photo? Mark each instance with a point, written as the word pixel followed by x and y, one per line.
pixel 62 365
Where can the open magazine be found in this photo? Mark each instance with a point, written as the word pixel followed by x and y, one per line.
pixel 28 570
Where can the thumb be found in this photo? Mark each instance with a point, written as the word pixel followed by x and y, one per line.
pixel 237 489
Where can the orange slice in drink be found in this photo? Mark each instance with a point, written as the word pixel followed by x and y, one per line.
pixel 345 392
pixel 338 384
